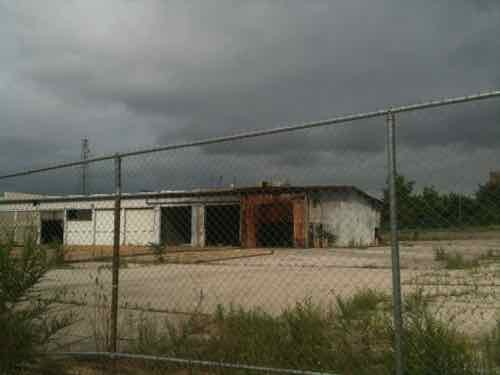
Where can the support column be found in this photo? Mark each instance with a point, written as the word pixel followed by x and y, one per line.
pixel 198 225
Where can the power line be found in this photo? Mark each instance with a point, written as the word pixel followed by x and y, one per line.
pixel 84 156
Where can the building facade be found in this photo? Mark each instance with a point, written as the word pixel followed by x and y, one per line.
pixel 268 216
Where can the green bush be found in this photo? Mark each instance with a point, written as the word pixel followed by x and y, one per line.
pixel 27 325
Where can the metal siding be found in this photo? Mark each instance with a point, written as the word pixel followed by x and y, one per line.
pixel 299 239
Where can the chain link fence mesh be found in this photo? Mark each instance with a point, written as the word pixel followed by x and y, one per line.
pixel 271 254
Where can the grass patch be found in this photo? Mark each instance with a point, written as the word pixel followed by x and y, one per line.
pixel 491 345
pixel 352 336
pixel 447 234
pixel 455 261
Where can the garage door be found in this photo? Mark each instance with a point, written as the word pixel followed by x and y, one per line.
pixel 140 226
pixel 104 227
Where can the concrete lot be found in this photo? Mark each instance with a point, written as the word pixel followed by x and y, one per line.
pixel 276 281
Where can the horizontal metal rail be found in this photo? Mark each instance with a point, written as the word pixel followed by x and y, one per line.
pixel 188 362
pixel 260 133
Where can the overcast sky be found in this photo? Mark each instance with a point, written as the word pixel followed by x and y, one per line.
pixel 129 74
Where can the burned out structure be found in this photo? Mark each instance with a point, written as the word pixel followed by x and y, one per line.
pixel 264 216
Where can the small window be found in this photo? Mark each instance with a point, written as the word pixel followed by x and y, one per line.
pixel 79 215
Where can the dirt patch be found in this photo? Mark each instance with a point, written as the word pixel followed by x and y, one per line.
pixel 83 252
pixel 143 254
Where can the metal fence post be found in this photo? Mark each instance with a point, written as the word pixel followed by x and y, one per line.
pixel 116 255
pixel 396 276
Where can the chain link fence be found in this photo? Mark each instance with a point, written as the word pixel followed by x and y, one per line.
pixel 347 246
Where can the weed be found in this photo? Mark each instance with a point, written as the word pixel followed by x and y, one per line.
pixel 455 261
pixel 59 253
pixel 100 321
pixel 353 336
pixel 490 255
pixel 158 250
pixel 123 263
pixel 458 262
pixel 434 346
pixel 440 254
pixel 491 348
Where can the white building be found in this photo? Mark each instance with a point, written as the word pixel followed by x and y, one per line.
pixel 277 216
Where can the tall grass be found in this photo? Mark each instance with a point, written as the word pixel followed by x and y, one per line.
pixel 352 336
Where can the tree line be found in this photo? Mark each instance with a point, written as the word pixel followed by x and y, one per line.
pixel 431 209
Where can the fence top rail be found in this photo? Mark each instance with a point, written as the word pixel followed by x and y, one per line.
pixel 260 133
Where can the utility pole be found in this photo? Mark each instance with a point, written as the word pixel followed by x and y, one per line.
pixel 85 156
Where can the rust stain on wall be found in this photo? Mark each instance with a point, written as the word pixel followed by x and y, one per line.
pixel 299 237
pixel 273 220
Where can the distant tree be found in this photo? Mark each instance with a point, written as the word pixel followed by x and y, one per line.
pixel 431 209
pixel 488 204
pixel 405 202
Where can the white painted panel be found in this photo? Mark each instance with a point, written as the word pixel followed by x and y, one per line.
pixel 79 232
pixel 104 227
pixel 140 226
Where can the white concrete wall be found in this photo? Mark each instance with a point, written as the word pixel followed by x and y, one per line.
pixel 137 227
pixel 141 226
pixel 104 222
pixel 79 232
pixel 348 216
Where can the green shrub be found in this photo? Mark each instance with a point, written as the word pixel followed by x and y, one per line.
pixel 27 324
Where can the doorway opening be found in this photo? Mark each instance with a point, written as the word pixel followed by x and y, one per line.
pixel 275 225
pixel 176 225
pixel 52 227
pixel 222 225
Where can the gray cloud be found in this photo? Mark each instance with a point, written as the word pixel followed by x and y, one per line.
pixel 130 74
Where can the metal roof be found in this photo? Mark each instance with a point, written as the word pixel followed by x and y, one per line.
pixel 200 193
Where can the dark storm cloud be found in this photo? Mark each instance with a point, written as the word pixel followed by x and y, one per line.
pixel 129 74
